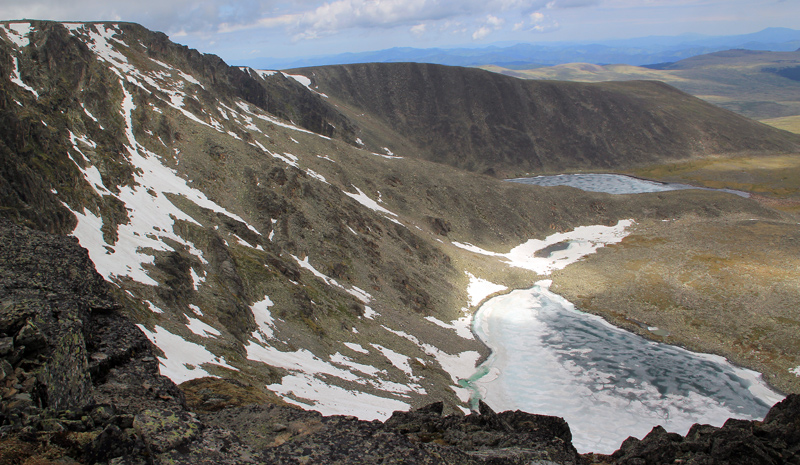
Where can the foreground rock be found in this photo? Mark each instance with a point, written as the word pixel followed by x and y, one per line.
pixel 79 379
pixel 424 436
pixel 773 441
pixel 80 384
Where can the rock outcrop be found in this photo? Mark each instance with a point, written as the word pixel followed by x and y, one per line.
pixel 424 436
pixel 79 379
pixel 773 441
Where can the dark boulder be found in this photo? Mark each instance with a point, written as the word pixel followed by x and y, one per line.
pixel 776 440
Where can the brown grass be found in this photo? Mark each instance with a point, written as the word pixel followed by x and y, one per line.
pixel 787 123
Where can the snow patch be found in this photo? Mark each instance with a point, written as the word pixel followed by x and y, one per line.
pixel 287 158
pixel 360 294
pixel 16 78
pixel 195 309
pixel 305 81
pixel 399 360
pixel 480 289
pixel 149 209
pixel 91 116
pixel 309 385
pixel 369 313
pixel 316 175
pixel 263 317
pixel 458 366
pixel 264 73
pixel 578 243
pixel 182 359
pixel 355 347
pixel 334 400
pixel 18 33
pixel 462 326
pixel 202 329
pixel 364 200
pixel 196 280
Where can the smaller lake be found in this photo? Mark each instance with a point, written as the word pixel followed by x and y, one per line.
pixel 612 184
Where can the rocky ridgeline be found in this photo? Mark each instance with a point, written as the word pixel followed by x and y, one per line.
pixel 80 383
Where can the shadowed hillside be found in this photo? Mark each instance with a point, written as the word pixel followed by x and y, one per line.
pixel 483 121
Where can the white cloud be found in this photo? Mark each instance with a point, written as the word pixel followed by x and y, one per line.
pixel 270 24
pixel 539 22
pixel 491 23
pixel 303 19
pixel 554 4
pixel 168 16
pixel 417 16
pixel 481 33
pixel 495 22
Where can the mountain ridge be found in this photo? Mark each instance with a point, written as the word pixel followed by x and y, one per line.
pixel 472 119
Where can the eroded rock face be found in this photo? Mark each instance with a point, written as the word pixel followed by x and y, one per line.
pixel 776 440
pixel 79 379
pixel 423 436
pixel 46 297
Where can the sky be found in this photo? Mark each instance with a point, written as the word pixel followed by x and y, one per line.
pixel 247 29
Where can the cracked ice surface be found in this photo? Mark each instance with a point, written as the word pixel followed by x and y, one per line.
pixel 551 359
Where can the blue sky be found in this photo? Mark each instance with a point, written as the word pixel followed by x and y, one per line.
pixel 240 30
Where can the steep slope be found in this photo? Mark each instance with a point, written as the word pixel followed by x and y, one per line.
pixel 483 121
pixel 249 247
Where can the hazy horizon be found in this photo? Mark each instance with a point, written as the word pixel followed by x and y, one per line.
pixel 242 30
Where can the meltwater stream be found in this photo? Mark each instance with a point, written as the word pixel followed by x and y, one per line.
pixel 548 358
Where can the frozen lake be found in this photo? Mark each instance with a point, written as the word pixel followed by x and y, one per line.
pixel 608 383
pixel 611 183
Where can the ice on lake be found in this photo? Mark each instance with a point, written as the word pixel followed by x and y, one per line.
pixel 608 383
pixel 611 183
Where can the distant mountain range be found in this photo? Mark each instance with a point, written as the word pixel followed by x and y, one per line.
pixel 637 51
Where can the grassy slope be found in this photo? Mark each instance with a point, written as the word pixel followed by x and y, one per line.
pixel 787 123
pixel 734 81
